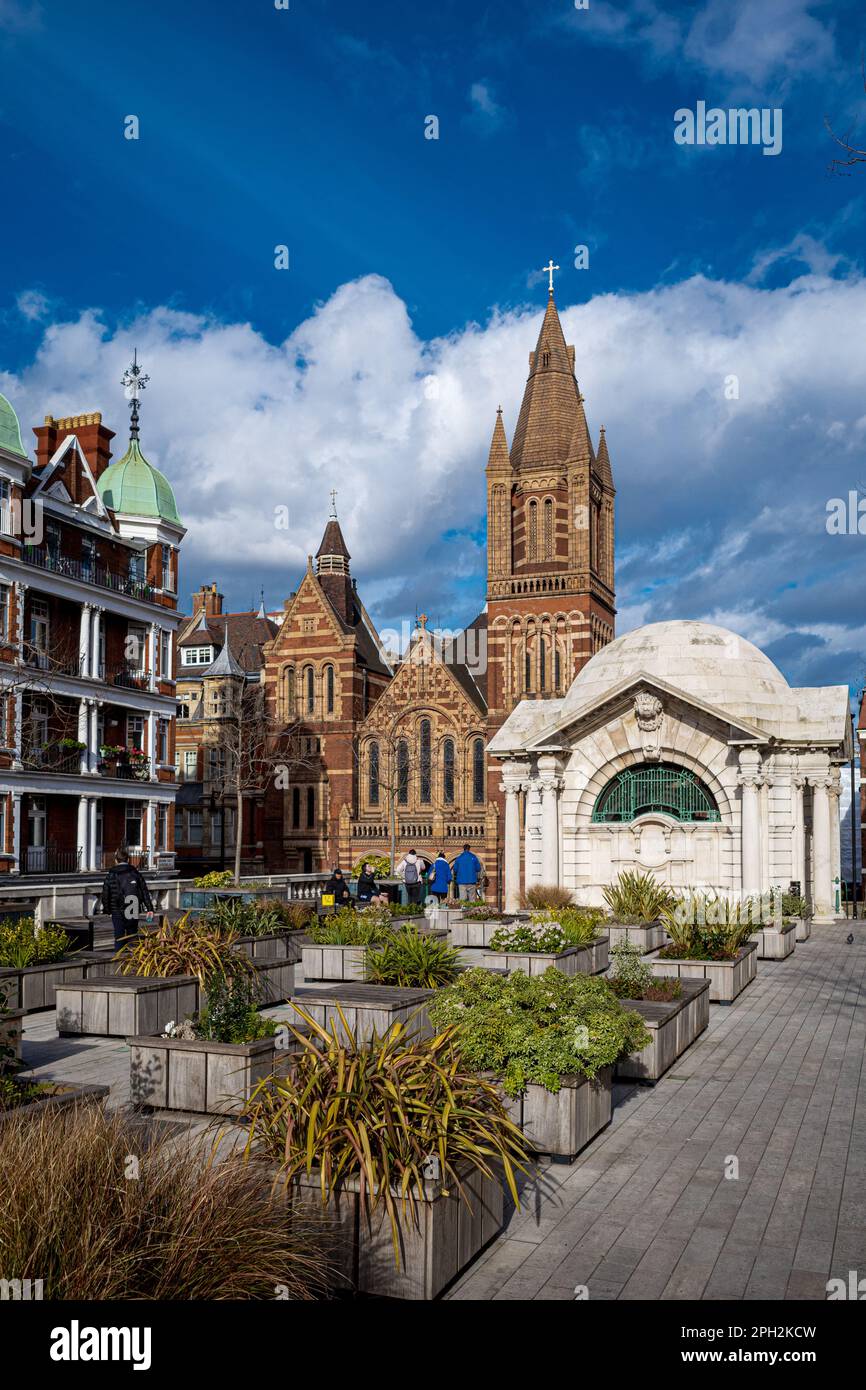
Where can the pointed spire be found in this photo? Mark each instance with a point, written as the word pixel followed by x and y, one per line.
pixel 498 458
pixel 604 467
pixel 550 407
pixel 262 612
pixel 224 664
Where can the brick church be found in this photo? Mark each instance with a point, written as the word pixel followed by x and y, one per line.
pixel 391 751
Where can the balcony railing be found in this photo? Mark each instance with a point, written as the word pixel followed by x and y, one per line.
pixel 130 677
pixel 52 759
pixel 49 859
pixel 125 770
pixel 87 571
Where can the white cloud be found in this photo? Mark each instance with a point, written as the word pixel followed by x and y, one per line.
pixel 32 305
pixel 721 503
pixel 486 114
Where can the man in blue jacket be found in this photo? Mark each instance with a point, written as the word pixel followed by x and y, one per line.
pixel 467 872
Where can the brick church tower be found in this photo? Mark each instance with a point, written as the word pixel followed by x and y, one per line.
pixel 550 539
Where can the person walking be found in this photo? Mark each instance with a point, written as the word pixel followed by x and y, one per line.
pixel 467 873
pixel 410 869
pixel 125 895
pixel 439 880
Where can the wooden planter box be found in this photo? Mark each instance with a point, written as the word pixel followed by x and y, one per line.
pixel 11 1032
pixel 209 1078
pixel 449 1234
pixel 35 987
pixel 576 960
pixel 647 935
pixel 472 934
pixel 66 1094
pixel 125 1006
pixel 345 962
pixel 563 1122
pixel 366 1008
pixel 276 980
pixel 673 1027
pixel 803 927
pixel 775 943
pixel 727 978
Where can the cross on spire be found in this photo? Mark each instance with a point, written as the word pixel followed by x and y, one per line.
pixel 333 502
pixel 134 380
pixel 548 270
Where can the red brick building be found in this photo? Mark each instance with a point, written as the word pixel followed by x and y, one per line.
pixel 395 748
pixel 88 597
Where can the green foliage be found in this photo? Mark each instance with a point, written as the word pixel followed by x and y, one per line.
pixel 380 1113
pixel 379 866
pixel 542 935
pixel 21 944
pixel 405 909
pixel 637 897
pixel 376 914
pixel 184 947
pixel 631 975
pixel 345 927
pixel 537 1028
pixel 413 961
pixel 703 926
pixel 794 906
pixel 294 915
pixel 579 925
pixel 217 878
pixel 230 1015
pixel 480 912
pixel 15 1092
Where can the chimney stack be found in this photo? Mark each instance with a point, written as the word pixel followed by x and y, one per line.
pixel 207 600
pixel 94 438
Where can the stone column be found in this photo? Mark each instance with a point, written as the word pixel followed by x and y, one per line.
pixel 151 742
pixel 513 774
pixel 20 600
pixel 823 908
pixel 750 781
pixel 93 847
pixel 531 831
pixel 798 846
pixel 84 735
pixel 836 844
pixel 765 834
pixel 550 785
pixel 82 839
pixel 18 732
pixel 152 655
pixel 96 631
pixel 16 832
pixel 84 633
pixel 150 833
pixel 93 736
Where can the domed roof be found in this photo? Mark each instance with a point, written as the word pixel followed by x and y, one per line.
pixel 715 665
pixel 134 487
pixel 10 430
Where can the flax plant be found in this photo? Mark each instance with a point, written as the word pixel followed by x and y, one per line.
pixel 184 948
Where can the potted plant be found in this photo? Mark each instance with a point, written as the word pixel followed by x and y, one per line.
pixel 35 960
pixel 424 1192
pixel 411 959
pixel 551 1042
pixel 636 902
pixel 338 944
pixel 709 941
pixel 796 909
pixel 210 1063
pixel 138 762
pixel 110 755
pixel 267 928
pixel 675 1012
pixel 571 942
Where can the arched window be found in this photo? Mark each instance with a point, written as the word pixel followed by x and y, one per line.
pixel 478 789
pixel 557 670
pixel 311 807
pixel 448 772
pixel 329 689
pixel 373 789
pixel 402 773
pixel 660 787
pixel 296 808
pixel 527 670
pixel 311 690
pixel 289 691
pixel 424 763
pixel 548 529
pixel 542 665
pixel 533 530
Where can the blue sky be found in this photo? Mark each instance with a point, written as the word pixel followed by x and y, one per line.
pixel 415 259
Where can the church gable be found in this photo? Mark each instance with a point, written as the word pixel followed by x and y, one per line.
pixel 424 681
pixel 310 622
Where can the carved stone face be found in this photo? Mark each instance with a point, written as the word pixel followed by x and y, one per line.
pixel 648 710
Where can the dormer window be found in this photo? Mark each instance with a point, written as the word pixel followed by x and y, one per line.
pixel 196 656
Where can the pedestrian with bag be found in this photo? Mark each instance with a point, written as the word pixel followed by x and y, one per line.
pixel 410 869
pixel 125 895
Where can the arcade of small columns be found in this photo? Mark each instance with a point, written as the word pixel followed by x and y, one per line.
pixel 544 786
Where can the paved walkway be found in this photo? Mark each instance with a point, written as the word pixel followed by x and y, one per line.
pixel 645 1212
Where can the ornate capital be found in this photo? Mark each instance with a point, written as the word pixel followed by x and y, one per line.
pixel 750 779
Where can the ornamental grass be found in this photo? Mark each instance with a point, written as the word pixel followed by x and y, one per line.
pixel 184 947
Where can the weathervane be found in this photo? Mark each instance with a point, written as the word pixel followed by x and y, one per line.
pixel 334 503
pixel 548 270
pixel 134 380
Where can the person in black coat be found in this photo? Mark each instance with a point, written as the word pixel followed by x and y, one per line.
pixel 339 887
pixel 125 895
pixel 368 889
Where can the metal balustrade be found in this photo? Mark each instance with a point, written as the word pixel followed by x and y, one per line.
pixel 41 557
pixel 661 787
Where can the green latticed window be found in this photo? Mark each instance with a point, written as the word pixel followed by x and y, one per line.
pixel 660 787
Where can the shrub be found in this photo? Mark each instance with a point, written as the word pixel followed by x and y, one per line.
pixel 294 915
pixel 217 878
pixel 637 897
pixel 480 912
pixel 186 1228
pixel 23 944
pixel 529 936
pixel 380 866
pixel 705 927
pixel 242 919
pixel 634 979
pixel 579 925
pixel 794 905
pixel 413 961
pixel 379 1113
pixel 545 895
pixel 537 1028
pixel 230 1015
pixel 184 948
pixel 405 909
pixel 345 927
pixel 377 915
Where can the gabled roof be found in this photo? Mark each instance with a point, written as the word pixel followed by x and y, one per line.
pixel 224 663
pixel 247 633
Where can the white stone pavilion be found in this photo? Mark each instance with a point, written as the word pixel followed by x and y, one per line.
pixel 679 749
